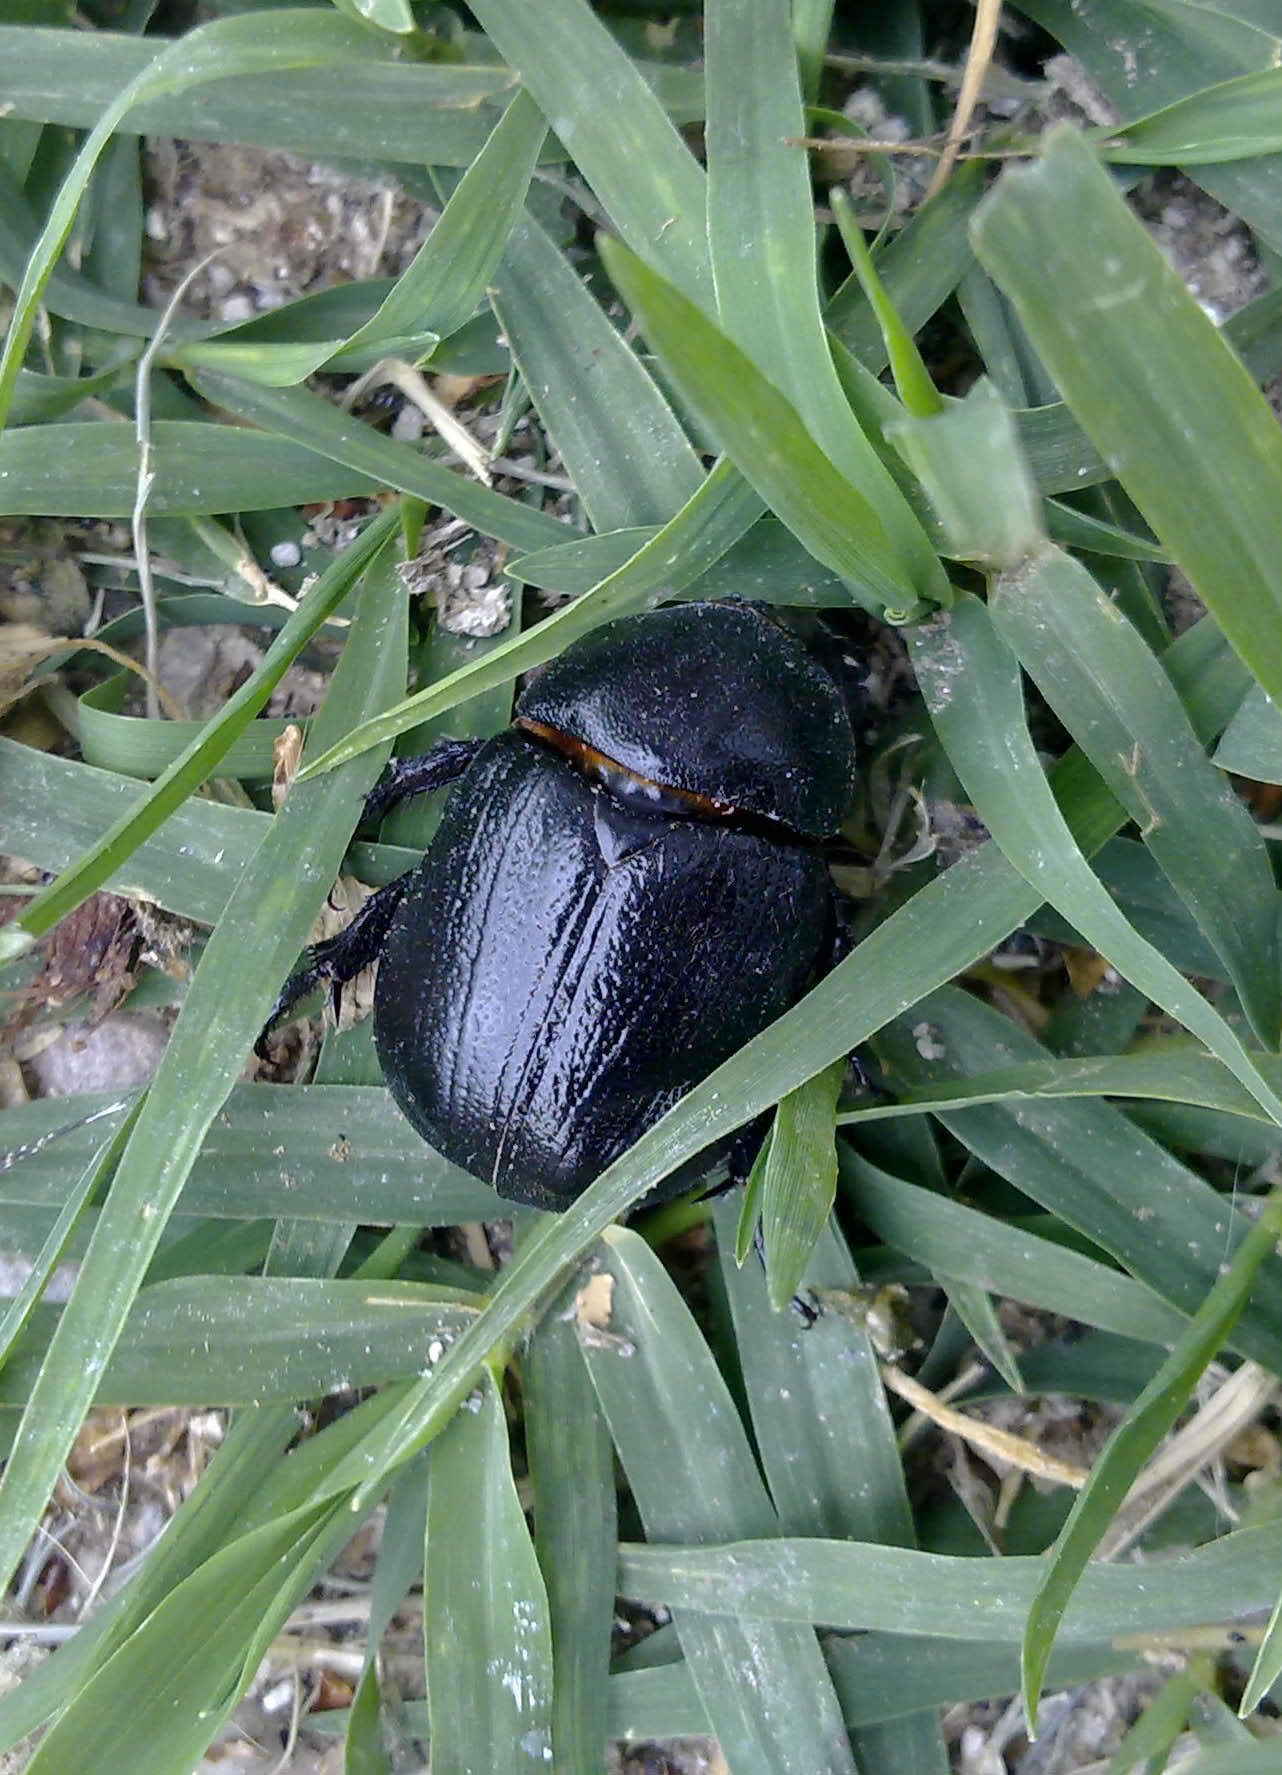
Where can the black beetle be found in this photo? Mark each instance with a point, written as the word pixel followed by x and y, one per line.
pixel 625 886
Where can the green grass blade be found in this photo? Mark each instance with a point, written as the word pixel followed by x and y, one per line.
pixel 1132 1443
pixel 399 1566
pixel 262 931
pixel 246 1468
pixel 878 1677
pixel 1180 422
pixel 975 1309
pixel 1232 120
pixel 1268 1663
pixel 761 236
pixel 1172 1072
pixel 421 113
pixel 246 1340
pixel 364 1750
pixel 91 470
pixel 1091 1167
pixel 310 419
pixel 253 1448
pixel 768 1695
pixel 919 269
pixel 1115 700
pixel 1078 530
pixel 612 125
pixel 1179 51
pixel 971 684
pixel 1255 1758
pixel 765 562
pixel 575 1535
pixel 962 1245
pixel 487 1640
pixel 39 399
pixel 138 747
pixel 764 435
pixel 58 807
pixel 1151 1739
pixel 857 1585
pixel 223 49
pixel 800 1181
pixel 912 379
pixel 19 1310
pixel 620 441
pixel 1252 742
pixel 238 1174
pixel 157 1702
pixel 819 1415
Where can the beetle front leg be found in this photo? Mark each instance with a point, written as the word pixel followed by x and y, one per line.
pixel 404 777
pixel 339 959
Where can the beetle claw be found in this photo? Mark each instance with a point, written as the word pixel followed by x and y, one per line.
pixel 340 959
pixel 807 1309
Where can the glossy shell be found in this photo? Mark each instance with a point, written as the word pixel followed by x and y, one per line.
pixel 714 699
pixel 562 970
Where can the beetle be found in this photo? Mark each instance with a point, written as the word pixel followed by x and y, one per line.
pixel 626 885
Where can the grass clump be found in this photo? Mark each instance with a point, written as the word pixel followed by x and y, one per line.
pixel 1073 1032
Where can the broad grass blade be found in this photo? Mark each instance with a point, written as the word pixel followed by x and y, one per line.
pixel 411 112
pixel 799 1182
pixel 568 60
pixel 856 1585
pixel 1232 120
pixel 1180 422
pixel 971 684
pixel 621 443
pixel 247 1340
pixel 1090 1167
pixel 575 1536
pixel 764 434
pixel 820 1416
pixel 487 1639
pixel 768 1696
pixel 761 236
pixel 91 470
pixel 1114 698
pixel 963 1245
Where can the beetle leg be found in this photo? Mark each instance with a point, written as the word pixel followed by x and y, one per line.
pixel 404 777
pixel 341 958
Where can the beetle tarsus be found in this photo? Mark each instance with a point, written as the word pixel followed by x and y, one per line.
pixel 405 777
pixel 805 1306
pixel 807 1309
pixel 339 959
